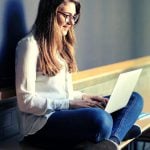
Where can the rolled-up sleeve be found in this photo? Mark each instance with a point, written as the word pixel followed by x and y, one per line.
pixel 78 94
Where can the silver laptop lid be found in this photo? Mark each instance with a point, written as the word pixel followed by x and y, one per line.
pixel 123 90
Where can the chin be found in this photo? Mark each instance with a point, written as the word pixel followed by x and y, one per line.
pixel 64 33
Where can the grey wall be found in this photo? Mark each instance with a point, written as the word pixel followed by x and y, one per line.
pixel 112 31
pixel 109 30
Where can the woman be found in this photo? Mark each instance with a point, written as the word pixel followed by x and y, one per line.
pixel 50 110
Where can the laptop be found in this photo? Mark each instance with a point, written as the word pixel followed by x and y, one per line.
pixel 122 91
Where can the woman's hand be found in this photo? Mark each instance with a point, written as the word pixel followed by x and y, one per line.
pixel 100 101
pixel 88 101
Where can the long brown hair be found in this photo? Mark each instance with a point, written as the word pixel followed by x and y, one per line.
pixel 50 41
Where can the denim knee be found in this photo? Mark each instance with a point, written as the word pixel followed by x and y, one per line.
pixel 138 101
pixel 102 124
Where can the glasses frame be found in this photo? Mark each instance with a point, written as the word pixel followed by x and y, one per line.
pixel 68 16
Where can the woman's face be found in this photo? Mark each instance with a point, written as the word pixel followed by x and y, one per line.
pixel 66 16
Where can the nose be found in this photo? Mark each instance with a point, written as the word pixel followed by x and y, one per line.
pixel 70 21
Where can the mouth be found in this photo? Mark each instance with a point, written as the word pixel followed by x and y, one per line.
pixel 66 27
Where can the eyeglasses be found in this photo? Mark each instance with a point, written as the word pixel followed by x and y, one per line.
pixel 69 17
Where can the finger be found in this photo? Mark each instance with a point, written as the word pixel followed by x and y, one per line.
pixel 99 99
pixel 100 106
pixel 92 103
pixel 97 104
pixel 106 100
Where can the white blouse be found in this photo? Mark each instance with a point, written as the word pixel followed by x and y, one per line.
pixel 39 96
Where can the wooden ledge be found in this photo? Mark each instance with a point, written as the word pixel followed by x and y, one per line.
pixel 111 69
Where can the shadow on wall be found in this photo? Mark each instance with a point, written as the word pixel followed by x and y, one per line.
pixel 14 30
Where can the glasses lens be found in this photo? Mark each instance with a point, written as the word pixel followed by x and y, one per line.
pixel 67 18
pixel 75 18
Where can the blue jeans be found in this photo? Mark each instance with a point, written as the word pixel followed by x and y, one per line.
pixel 92 124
